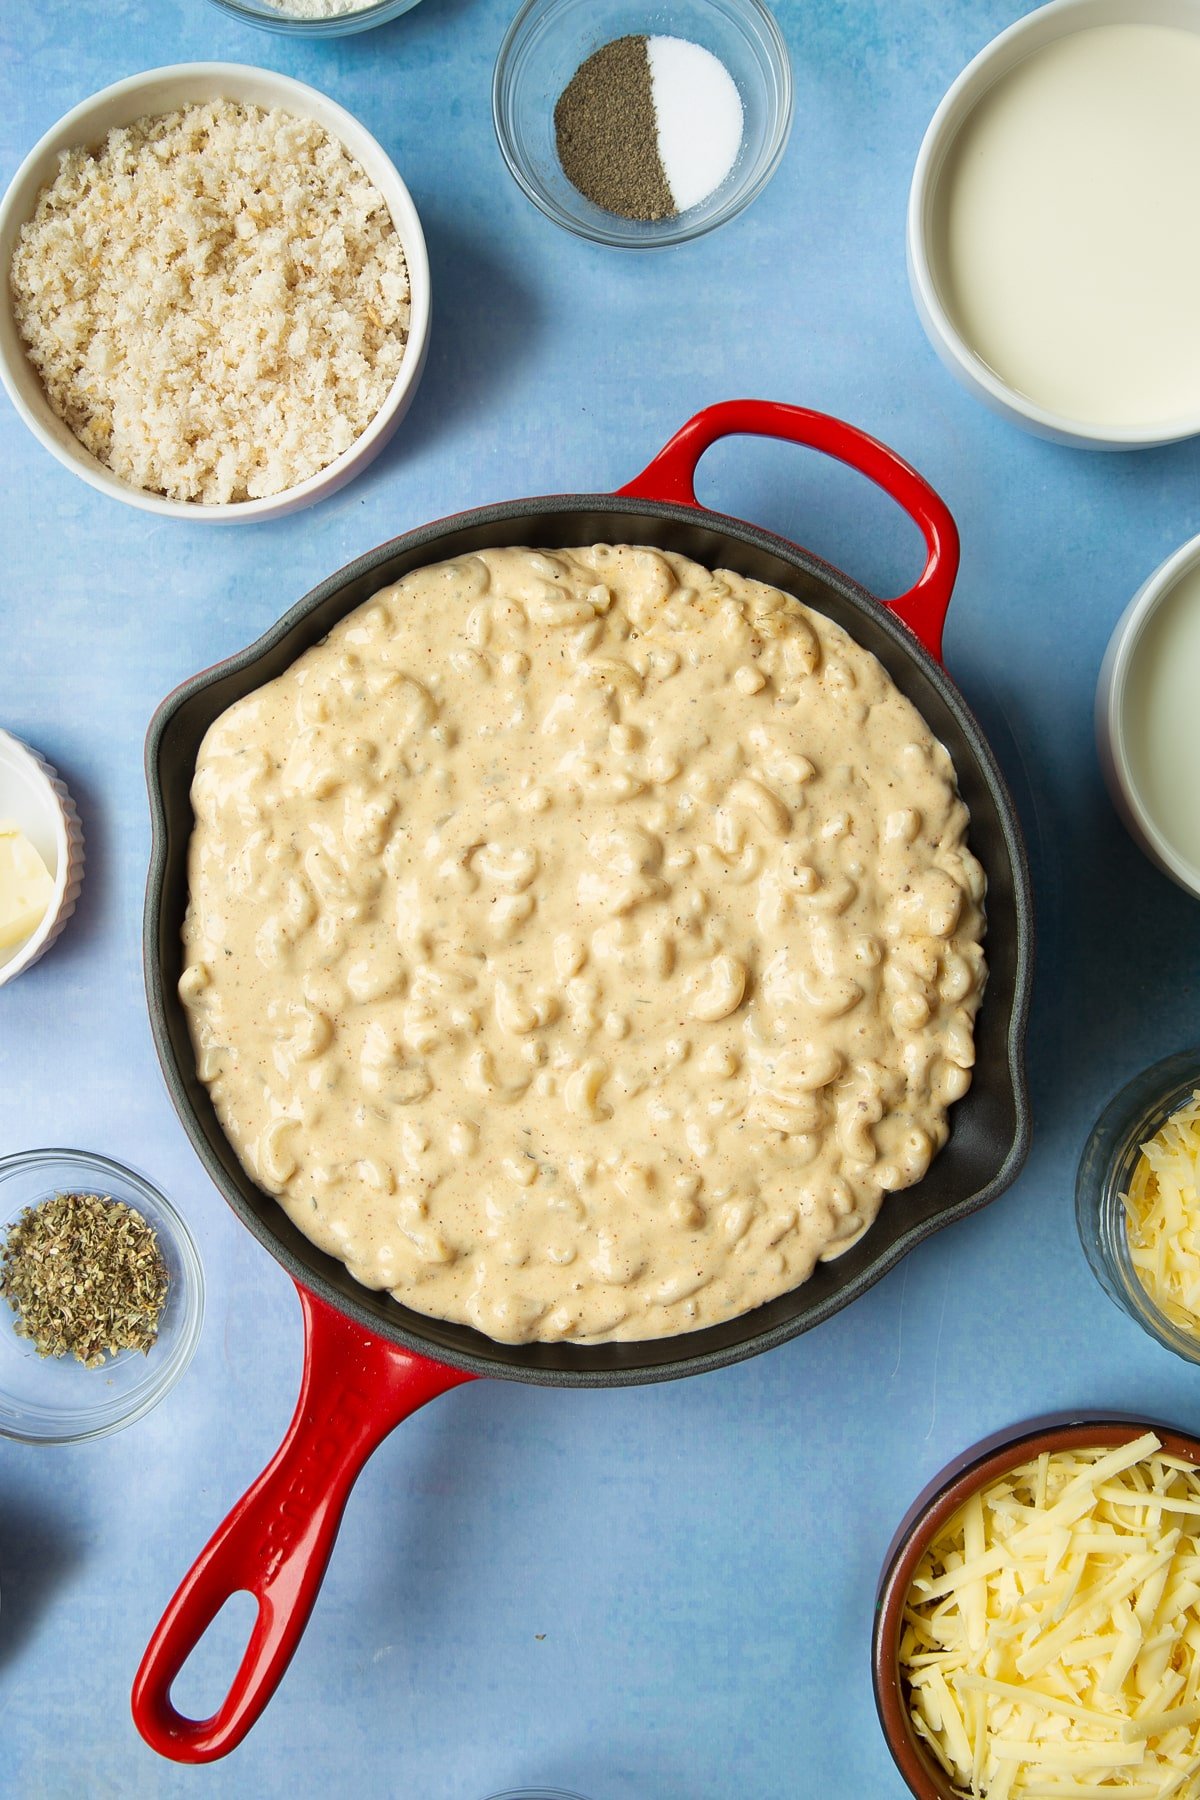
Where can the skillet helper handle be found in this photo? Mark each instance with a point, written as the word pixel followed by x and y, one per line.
pixel 277 1541
pixel 671 476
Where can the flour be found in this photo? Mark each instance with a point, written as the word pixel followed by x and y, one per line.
pixel 319 9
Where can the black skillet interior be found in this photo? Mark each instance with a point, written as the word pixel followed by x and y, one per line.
pixel 989 1127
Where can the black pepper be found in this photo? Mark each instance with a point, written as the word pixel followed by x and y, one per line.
pixel 607 134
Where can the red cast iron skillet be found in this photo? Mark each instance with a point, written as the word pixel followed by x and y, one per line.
pixel 368 1361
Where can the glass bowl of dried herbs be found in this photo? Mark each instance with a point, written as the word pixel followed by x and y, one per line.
pixel 640 125
pixel 101 1296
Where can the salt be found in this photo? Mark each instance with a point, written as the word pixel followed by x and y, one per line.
pixel 648 127
pixel 699 116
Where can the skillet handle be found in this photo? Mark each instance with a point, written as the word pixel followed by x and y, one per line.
pixel 277 1541
pixel 671 475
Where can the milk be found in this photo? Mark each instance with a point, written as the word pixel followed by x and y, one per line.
pixel 1070 253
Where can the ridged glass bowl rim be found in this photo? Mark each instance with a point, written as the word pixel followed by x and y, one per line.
pixel 537 1793
pixel 1134 1114
pixel 621 235
pixel 124 1409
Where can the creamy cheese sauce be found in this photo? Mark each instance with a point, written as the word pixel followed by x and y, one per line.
pixel 1071 259
pixel 581 944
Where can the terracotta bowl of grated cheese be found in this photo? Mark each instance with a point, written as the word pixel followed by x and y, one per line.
pixel 1137 1202
pixel 1036 1627
pixel 293 333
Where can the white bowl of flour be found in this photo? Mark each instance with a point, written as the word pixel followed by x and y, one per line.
pixel 315 18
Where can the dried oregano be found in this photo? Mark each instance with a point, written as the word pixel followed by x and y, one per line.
pixel 607 133
pixel 85 1276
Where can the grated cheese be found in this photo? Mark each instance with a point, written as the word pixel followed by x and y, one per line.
pixel 1051 1643
pixel 1162 1217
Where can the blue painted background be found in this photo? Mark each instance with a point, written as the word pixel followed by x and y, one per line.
pixel 665 1593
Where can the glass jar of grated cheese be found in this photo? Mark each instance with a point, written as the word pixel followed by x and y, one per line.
pixel 1140 1256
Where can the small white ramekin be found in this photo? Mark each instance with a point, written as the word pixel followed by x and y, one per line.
pixel 32 795
pixel 1046 25
pixel 1111 737
pixel 164 90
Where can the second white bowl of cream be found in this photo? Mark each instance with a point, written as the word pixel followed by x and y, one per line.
pixel 1050 255
pixel 1147 721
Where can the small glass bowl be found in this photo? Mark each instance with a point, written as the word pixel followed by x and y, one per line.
pixel 1105 1172
pixel 527 1793
pixel 546 43
pixel 54 1399
pixel 266 18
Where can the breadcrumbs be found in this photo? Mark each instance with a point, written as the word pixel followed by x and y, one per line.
pixel 216 301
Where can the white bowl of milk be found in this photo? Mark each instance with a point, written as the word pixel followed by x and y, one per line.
pixel 1148 716
pixel 1053 251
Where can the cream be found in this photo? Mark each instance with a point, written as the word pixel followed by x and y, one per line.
pixel 1070 258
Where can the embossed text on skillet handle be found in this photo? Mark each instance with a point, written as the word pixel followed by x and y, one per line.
pixel 277 1540
pixel 671 476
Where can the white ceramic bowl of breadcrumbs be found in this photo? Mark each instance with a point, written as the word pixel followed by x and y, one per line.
pixel 221 313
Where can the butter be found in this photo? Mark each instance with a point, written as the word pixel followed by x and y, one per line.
pixel 26 886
